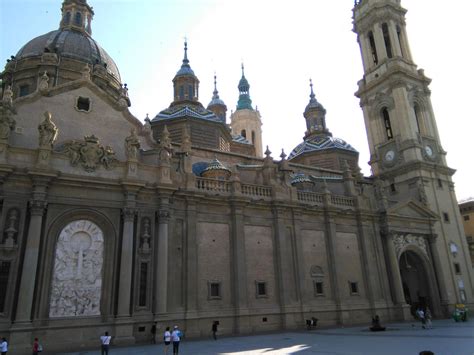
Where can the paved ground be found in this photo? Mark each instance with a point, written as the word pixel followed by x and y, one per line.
pixel 446 338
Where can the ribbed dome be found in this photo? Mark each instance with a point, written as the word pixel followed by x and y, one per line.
pixel 72 44
pixel 318 143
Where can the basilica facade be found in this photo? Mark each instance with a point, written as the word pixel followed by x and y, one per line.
pixel 111 224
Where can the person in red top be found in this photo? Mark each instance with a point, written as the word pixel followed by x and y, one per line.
pixel 36 347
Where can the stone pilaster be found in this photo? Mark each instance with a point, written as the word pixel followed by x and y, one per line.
pixel 30 262
pixel 192 322
pixel 161 274
pixel 438 270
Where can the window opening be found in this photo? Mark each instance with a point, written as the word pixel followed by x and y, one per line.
pixel 387 124
pixel 373 49
pixel 243 134
pixel 318 288
pixel 399 36
pixel 83 104
pixel 78 19
pixel 261 289
pixel 214 290
pixel 24 90
pixel 353 287
pixel 416 108
pixel 386 38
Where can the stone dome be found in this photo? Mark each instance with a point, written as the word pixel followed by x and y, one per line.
pixel 72 44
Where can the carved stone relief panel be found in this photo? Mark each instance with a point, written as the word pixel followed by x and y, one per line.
pixel 77 276
pixel 401 241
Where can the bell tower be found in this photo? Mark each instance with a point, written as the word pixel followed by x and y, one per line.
pixel 406 154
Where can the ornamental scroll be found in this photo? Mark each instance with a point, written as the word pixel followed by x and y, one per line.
pixel 401 241
pixel 77 277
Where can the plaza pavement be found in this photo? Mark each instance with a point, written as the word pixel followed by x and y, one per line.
pixel 446 338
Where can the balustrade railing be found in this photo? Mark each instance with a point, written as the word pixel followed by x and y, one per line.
pixel 212 185
pixel 256 190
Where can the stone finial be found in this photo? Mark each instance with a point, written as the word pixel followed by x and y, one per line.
pixel 7 123
pixel 132 145
pixel 7 97
pixel 48 131
pixel 43 84
pixel 283 155
pixel 186 140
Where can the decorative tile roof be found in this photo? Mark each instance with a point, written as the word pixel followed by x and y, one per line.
pixel 240 139
pixel 186 111
pixel 318 143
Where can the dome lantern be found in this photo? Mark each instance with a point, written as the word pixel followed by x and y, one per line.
pixel 76 15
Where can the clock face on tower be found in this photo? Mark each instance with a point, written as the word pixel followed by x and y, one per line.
pixel 428 151
pixel 389 156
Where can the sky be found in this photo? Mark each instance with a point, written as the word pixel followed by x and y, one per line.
pixel 282 44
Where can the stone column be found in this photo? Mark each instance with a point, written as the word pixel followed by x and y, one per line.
pixel 379 42
pixel 367 270
pixel 438 269
pixel 126 263
pixel 397 286
pixel 191 287
pixel 239 269
pixel 396 45
pixel 30 262
pixel 161 274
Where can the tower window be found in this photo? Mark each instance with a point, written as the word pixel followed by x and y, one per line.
pixel 354 288
pixel 83 104
pixel 67 18
pixel 416 108
pixel 399 35
pixel 373 50
pixel 386 38
pixel 446 217
pixel 190 92
pixel 440 183
pixel 457 268
pixel 387 124
pixel 181 92
pixel 243 134
pixel 78 19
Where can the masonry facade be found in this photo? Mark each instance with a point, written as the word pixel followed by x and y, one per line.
pixel 110 224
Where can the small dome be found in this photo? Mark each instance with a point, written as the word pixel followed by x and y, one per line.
pixel 72 44
pixel 318 143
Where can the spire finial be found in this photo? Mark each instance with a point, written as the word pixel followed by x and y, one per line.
pixel 243 75
pixel 215 93
pixel 185 60
pixel 311 85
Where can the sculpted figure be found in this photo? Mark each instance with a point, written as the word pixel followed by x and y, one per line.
pixel 7 96
pixel 132 144
pixel 86 73
pixel 48 131
pixel 7 123
pixel 108 158
pixel 44 82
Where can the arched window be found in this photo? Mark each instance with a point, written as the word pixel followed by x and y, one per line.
pixel 243 134
pixel 78 19
pixel 387 124
pixel 416 108
pixel 373 50
pixel 386 38
pixel 181 92
pixel 190 92
pixel 67 18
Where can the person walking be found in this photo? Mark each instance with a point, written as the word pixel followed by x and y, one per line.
pixel 4 346
pixel 105 343
pixel 37 348
pixel 421 314
pixel 176 338
pixel 214 329
pixel 167 339
pixel 153 333
pixel 428 317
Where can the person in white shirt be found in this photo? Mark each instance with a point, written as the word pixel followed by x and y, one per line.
pixel 105 343
pixel 4 346
pixel 167 339
pixel 176 337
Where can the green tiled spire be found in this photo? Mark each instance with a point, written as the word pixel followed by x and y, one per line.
pixel 244 98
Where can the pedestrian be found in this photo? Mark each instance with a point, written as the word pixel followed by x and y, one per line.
pixel 105 343
pixel 153 333
pixel 4 347
pixel 176 338
pixel 167 339
pixel 37 348
pixel 421 314
pixel 215 324
pixel 428 317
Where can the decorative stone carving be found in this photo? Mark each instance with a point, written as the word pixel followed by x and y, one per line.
pixel 164 215
pixel 12 229
pixel 186 140
pixel 145 247
pixel 422 193
pixel 37 207
pixel 7 99
pixel 7 123
pixel 77 277
pixel 165 145
pixel 86 73
pixel 401 241
pixel 90 154
pixel 132 145
pixel 316 271
pixel 129 213
pixel 43 84
pixel 48 131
